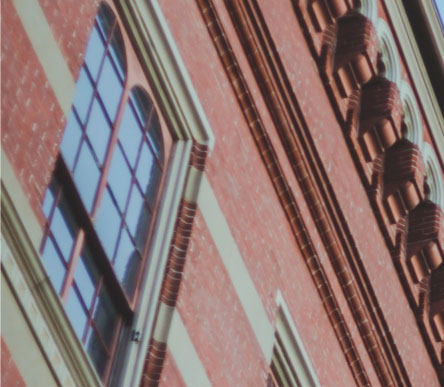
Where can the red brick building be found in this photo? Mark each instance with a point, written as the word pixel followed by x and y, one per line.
pixel 222 192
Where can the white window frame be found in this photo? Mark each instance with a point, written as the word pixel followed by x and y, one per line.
pixel 299 362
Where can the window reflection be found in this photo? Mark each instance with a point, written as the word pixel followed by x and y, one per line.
pixel 94 53
pixel 110 88
pixel 118 53
pixel 86 277
pixel 155 136
pixel 71 140
pixel 53 265
pixel 96 352
pixel 137 218
pixel 142 104
pixel 153 184
pixel 98 130
pixel 63 228
pixel 119 178
pixel 105 317
pixel 105 20
pixel 76 313
pixel 48 201
pixel 130 135
pixel 108 224
pixel 83 95
pixel 86 176
pixel 127 262
pixel 144 166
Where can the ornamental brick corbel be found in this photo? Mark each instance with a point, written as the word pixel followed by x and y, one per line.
pixel 319 14
pixel 380 117
pixel 324 12
pixel 425 240
pixel 404 173
pixel 356 52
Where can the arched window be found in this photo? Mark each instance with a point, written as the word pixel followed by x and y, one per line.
pixel 388 52
pixel 102 200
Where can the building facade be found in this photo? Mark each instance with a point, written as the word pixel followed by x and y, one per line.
pixel 222 192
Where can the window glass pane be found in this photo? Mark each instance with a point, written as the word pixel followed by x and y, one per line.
pixel 86 276
pixel 71 140
pixel 119 178
pixel 96 352
pixel 144 166
pixel 94 53
pixel 76 313
pixel 110 88
pixel 142 104
pixel 127 263
pixel 49 199
pixel 153 185
pixel 137 218
pixel 86 176
pixel 105 20
pixel 130 135
pixel 83 95
pixel 98 130
pixel 105 317
pixel 108 224
pixel 155 136
pixel 117 52
pixel 63 228
pixel 53 265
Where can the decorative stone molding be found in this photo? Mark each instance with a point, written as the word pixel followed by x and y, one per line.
pixel 367 146
pixel 368 8
pixel 412 116
pixel 389 52
pixel 175 266
pixel 433 176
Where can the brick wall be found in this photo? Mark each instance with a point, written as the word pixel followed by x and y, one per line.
pixel 33 122
pixel 71 22
pixel 11 376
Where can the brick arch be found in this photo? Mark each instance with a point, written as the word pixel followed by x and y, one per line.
pixel 389 52
pixel 412 117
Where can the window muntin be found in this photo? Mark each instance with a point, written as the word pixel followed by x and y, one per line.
pixel 101 202
pixel 99 92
